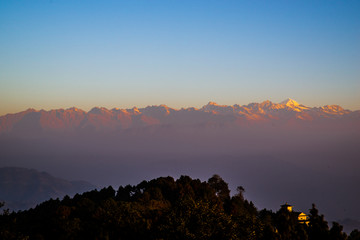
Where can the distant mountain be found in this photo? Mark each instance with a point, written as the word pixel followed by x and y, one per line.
pixel 286 113
pixel 349 224
pixel 22 188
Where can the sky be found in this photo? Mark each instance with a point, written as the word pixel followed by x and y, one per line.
pixel 59 54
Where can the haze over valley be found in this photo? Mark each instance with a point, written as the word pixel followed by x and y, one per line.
pixel 277 151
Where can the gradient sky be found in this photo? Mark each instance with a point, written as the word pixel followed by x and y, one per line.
pixel 59 54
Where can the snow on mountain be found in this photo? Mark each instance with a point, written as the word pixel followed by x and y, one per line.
pixel 285 112
pixel 293 105
pixel 214 108
pixel 290 102
pixel 157 111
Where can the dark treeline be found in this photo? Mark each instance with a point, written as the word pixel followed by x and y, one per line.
pixel 164 209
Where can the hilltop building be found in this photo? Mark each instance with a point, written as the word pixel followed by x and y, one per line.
pixel 302 217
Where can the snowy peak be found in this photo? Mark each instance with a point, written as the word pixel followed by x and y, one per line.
pixel 215 108
pixel 293 105
pixel 210 106
pixel 334 110
pixel 212 103
pixel 157 111
pixel 98 110
pixel 290 103
pixel 74 109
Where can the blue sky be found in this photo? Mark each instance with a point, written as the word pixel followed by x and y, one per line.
pixel 59 54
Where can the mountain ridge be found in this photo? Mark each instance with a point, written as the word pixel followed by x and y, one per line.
pixel 286 112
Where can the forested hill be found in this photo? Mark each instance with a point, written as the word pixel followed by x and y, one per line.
pixel 22 188
pixel 164 208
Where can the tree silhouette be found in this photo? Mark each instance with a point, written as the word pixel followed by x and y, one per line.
pixel 163 208
pixel 220 186
pixel 318 227
pixel 354 235
pixel 336 232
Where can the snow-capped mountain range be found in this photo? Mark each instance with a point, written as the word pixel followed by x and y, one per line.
pixel 288 112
